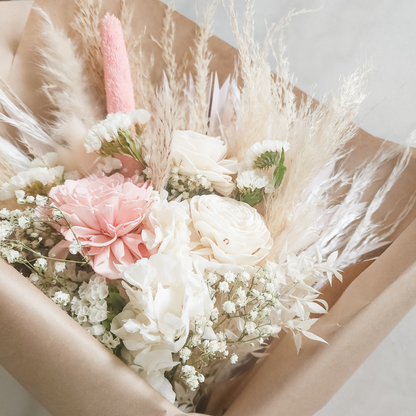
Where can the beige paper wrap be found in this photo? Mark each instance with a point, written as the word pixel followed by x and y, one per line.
pixel 70 373
pixel 60 364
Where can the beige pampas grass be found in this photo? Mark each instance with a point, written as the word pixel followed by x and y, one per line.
pixel 87 25
pixel 31 133
pixel 65 82
pixel 140 65
pixel 198 111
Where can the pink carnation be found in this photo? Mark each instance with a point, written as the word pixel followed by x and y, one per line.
pixel 107 215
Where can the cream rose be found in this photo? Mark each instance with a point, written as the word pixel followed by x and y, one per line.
pixel 228 231
pixel 194 153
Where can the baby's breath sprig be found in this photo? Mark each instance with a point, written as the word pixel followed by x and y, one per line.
pixel 187 186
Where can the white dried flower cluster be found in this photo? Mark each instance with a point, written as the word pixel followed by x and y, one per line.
pixel 45 172
pixel 191 377
pixel 260 148
pixel 61 298
pixel 187 186
pixel 89 308
pixel 253 304
pixel 23 231
pixel 108 130
pixel 252 180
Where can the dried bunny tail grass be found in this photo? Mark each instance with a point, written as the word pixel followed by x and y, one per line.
pixel 31 132
pixel 140 69
pixel 316 138
pixel 87 25
pixel 65 82
pixel 198 117
pixel 12 160
pixel 369 234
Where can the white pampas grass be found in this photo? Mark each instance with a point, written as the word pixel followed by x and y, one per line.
pixel 369 234
pixel 17 115
pixel 65 82
pixel 87 25
pixel 12 160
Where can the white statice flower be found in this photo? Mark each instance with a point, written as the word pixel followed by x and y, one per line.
pixel 6 229
pixel 229 307
pixel 214 314
pixel 24 222
pixel 185 354
pixel 41 264
pixel 191 377
pixel 108 129
pixel 166 296
pixel 12 256
pixel 108 164
pixel 60 266
pixel 41 200
pixel 250 327
pixel 224 287
pixel 89 307
pixel 252 179
pixel 233 358
pixel 45 175
pixel 139 116
pixel 265 146
pixel 228 231
pixel 19 194
pixel 229 277
pixel 197 154
pixel 170 221
pixel 61 298
pixel 75 247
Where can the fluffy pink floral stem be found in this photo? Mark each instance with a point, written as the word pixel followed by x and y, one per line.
pixel 117 77
pixel 118 84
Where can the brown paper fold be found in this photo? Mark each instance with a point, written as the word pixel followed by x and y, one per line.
pixel 73 374
pixel 60 364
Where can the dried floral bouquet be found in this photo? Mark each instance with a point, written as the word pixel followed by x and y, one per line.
pixel 182 224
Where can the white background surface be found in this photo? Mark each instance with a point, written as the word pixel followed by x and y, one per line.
pixel 322 46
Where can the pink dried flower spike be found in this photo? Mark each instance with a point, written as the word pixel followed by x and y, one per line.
pixel 117 77
pixel 118 84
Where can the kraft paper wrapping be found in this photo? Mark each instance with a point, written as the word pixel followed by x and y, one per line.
pixel 70 373
pixel 13 16
pixel 60 364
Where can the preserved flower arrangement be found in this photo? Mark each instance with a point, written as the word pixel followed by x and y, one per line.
pixel 195 223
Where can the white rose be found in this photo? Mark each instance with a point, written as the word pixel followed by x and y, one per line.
pixel 229 231
pixel 194 153
pixel 170 221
